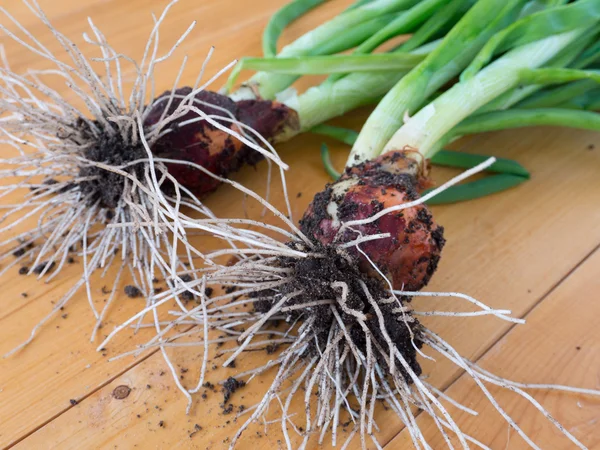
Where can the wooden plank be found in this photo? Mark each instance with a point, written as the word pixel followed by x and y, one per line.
pixel 489 252
pixel 560 344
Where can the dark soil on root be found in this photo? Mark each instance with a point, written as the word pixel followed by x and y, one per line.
pixel 107 187
pixel 315 276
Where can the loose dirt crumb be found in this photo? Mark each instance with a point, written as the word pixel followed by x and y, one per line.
pixel 19 252
pixel 132 291
pixel 230 386
pixel 197 428
pixel 73 402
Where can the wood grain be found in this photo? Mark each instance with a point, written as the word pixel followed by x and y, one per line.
pixel 560 344
pixel 509 250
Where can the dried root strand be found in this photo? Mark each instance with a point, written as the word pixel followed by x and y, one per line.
pixel 85 182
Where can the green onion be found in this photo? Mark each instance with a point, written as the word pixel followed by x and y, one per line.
pixel 268 85
pixel 440 22
pixel 282 19
pixel 453 54
pixel 505 53
pixel 535 27
pixel 433 121
pixel 344 135
pixel 316 65
pixel 476 189
pixel 326 159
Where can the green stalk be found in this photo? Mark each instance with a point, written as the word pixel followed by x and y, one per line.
pixel 571 55
pixel 453 54
pixel 403 23
pixel 553 97
pixel 321 103
pixel 594 105
pixel 336 44
pixel 476 189
pixel 587 101
pixel 352 38
pixel 461 160
pixel 270 84
pixel 432 122
pixel 515 118
pixel 534 27
pixel 448 158
pixel 317 65
pixel 437 24
pixel 344 135
pixel 358 4
pixel 521 118
pixel 507 173
pixel 557 75
pixel 282 19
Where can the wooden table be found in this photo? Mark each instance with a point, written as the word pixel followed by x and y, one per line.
pixel 533 250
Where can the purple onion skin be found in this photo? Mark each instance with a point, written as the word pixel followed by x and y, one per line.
pixel 207 146
pixel 410 256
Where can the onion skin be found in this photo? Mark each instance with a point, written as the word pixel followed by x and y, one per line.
pixel 205 145
pixel 410 256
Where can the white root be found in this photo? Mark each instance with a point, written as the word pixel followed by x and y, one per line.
pixel 49 137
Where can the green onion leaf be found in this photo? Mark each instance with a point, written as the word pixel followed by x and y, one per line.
pixel 353 36
pixel 325 157
pixel 268 85
pixel 318 65
pixel 344 135
pixel 476 189
pixel 462 160
pixel 501 120
pixel 588 57
pixel 557 75
pixel 358 4
pixel 282 19
pixel 537 26
pixel 404 23
pixel 552 97
pixel 437 24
